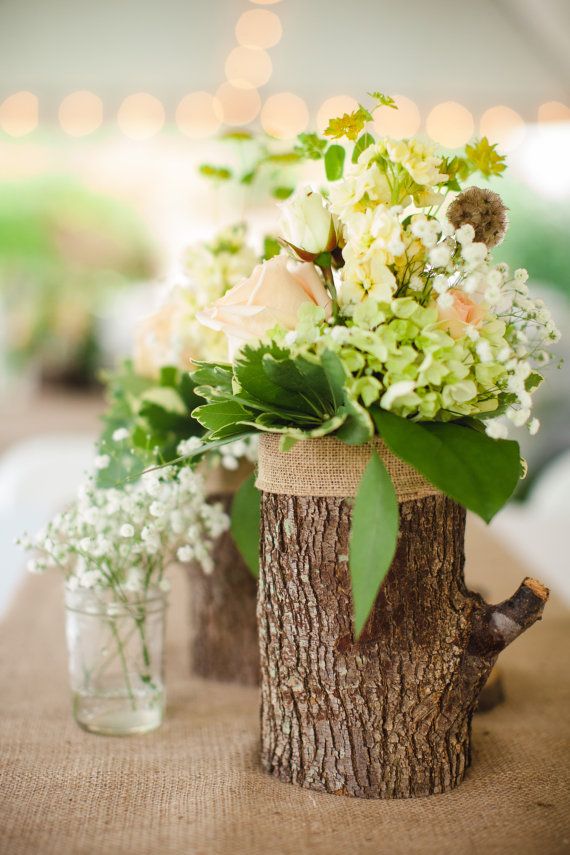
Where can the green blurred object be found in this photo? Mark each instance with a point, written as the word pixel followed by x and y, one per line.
pixel 63 250
pixel 538 235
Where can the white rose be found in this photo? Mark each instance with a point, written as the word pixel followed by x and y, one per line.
pixel 307 224
pixel 271 296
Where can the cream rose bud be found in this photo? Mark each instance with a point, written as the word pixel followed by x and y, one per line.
pixel 307 224
pixel 270 297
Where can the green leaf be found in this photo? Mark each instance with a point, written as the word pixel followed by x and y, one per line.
pixel 246 523
pixel 271 247
pixel 334 162
pixel 533 381
pixel 212 374
pixel 165 397
pixel 373 538
pixel 239 136
pixel 470 467
pixel 220 414
pixel 311 146
pixel 282 192
pixel 250 372
pixel 383 100
pixel 158 419
pixel 216 173
pixel 324 259
pixel 361 144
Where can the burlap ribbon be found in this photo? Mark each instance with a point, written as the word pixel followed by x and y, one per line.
pixel 329 467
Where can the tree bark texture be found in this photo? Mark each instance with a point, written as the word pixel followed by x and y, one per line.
pixel 388 716
pixel 223 627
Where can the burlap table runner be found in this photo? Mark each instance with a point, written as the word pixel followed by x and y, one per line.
pixel 329 467
pixel 194 787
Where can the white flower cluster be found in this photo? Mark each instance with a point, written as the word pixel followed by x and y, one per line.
pixel 229 456
pixel 124 539
pixel 173 336
pixel 370 203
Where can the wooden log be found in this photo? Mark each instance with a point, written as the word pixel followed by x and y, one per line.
pixel 223 628
pixel 388 716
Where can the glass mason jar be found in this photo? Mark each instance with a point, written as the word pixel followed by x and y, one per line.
pixel 115 648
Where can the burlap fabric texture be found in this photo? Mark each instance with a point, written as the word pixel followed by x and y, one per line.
pixel 329 467
pixel 194 787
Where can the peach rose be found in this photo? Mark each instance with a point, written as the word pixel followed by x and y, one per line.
pixel 460 313
pixel 271 296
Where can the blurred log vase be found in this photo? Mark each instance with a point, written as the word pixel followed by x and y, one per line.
pixel 389 715
pixel 223 630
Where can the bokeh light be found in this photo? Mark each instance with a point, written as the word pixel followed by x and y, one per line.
pixel 503 126
pixel 450 124
pixel 80 113
pixel 140 116
pixel 258 28
pixel 196 115
pixel 248 68
pixel 19 114
pixel 284 115
pixel 235 106
pixel 554 111
pixel 338 105
pixel 403 122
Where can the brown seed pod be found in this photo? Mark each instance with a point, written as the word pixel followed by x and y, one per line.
pixel 484 210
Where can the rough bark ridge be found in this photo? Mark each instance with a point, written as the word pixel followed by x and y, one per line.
pixel 223 644
pixel 390 715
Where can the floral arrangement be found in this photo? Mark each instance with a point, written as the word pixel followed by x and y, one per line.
pixel 64 251
pixel 124 539
pixel 150 396
pixel 389 320
pixel 172 336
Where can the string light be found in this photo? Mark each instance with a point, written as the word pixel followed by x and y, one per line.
pixel 19 114
pixel 248 68
pixel 503 126
pixel 236 106
pixel 258 28
pixel 196 115
pixel 80 113
pixel 140 116
pixel 553 111
pixel 450 124
pixel 403 122
pixel 284 115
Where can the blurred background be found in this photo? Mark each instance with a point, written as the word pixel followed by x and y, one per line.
pixel 107 113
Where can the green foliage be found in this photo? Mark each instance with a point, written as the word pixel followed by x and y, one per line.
pixel 484 158
pixel 478 472
pixel 246 523
pixel 155 413
pixel 361 144
pixel 537 238
pixel 349 125
pixel 334 162
pixel 63 251
pixel 373 538
pixel 267 390
pixel 216 173
pixel 271 247
pixel 310 146
pixel 282 192
pixel 383 100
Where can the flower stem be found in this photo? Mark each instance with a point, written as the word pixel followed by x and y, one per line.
pixel 124 666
